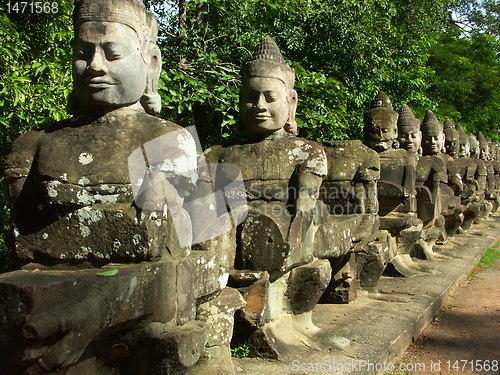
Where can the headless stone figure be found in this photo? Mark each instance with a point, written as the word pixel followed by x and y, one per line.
pixel 433 145
pixel 108 185
pixel 430 174
pixel 396 187
pixel 346 236
pixel 282 175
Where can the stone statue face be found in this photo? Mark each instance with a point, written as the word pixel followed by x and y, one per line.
pixel 484 152
pixel 410 139
pixel 464 150
pixel 380 135
pixel 452 144
pixel 432 142
pixel 474 150
pixel 264 105
pixel 108 69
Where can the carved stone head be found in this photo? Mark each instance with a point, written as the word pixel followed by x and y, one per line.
pixel 409 134
pixel 464 149
pixel 380 131
pixel 432 135
pixel 474 147
pixel 267 99
pixel 484 147
pixel 452 142
pixel 116 62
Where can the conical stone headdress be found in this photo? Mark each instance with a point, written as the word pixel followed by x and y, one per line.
pixel 449 129
pixel 474 143
pixel 406 119
pixel 431 122
pixel 267 61
pixel 462 135
pixel 483 142
pixel 128 12
pixel 382 100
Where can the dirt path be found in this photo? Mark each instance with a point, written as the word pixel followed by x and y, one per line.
pixel 465 336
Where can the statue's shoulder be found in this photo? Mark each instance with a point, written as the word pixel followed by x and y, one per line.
pixel 23 149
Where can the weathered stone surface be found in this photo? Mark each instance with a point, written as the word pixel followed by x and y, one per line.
pixel 306 285
pixel 397 184
pixel 372 261
pixel 51 317
pixel 352 171
pixel 162 349
pixel 341 234
pixel 90 192
pixel 342 287
pixel 109 186
pixel 218 314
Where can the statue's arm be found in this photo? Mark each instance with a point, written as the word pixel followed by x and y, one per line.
pixel 410 176
pixel 19 162
pixel 309 184
pixel 310 179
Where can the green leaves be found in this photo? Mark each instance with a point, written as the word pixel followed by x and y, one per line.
pixel 108 273
pixel 466 81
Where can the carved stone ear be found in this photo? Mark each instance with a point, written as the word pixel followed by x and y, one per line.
pixel 151 100
pixel 291 124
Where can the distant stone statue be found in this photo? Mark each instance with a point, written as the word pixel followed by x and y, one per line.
pixel 473 174
pixel 347 233
pixel 409 134
pixel 282 175
pixel 109 186
pixel 430 174
pixel 397 184
pixel 452 141
pixel 433 144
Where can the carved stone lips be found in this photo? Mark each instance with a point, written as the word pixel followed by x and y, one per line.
pixel 100 83
pixel 263 117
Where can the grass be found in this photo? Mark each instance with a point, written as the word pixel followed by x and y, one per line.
pixel 489 257
pixel 242 351
pixel 473 277
pixel 399 372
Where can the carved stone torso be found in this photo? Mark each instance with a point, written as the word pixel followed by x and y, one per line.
pixel 396 188
pixel 430 169
pixel 351 168
pixel 271 236
pixel 79 188
pixel 269 167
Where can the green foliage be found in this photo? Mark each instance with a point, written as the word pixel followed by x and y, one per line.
pixel 34 82
pixel 108 273
pixel 242 351
pixel 488 259
pixel 350 49
pixel 466 82
pixel 472 16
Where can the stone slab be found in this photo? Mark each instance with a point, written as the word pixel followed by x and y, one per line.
pixel 381 326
